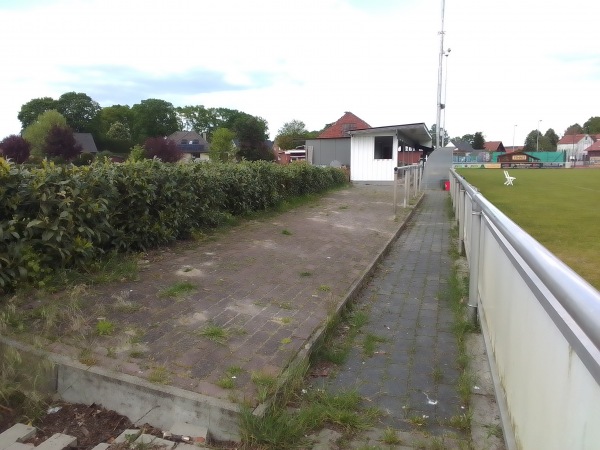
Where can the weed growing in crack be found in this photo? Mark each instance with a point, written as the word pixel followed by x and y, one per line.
pixel 370 343
pixel 177 289
pixel 390 437
pixel 105 327
pixel 159 375
pixel 215 333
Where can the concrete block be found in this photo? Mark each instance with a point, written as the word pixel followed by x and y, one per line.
pixel 182 446
pixel 127 436
pixel 17 433
pixel 58 441
pixel 19 446
pixel 154 441
pixel 102 446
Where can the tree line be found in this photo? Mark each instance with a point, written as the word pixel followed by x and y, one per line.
pixel 535 139
pixel 48 123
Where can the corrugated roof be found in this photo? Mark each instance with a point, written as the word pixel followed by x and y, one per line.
pixel 340 128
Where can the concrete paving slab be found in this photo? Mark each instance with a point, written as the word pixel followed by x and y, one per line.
pixel 17 433
pixel 58 441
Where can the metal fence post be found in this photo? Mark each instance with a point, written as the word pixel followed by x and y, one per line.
pixel 461 222
pixel 405 188
pixel 474 260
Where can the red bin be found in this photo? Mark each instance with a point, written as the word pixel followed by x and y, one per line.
pixel 446 185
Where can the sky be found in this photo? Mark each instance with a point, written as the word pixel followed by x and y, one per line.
pixel 513 65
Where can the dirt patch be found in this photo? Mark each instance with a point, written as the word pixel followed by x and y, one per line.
pixel 90 424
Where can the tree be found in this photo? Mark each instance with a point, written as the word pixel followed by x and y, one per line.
pixel 478 141
pixel 80 111
pixel 119 131
pixel 15 148
pixel 198 118
pixel 574 129
pixel 115 113
pixel 153 118
pixel 251 132
pixel 36 133
pixel 468 138
pixel 535 140
pixel 31 110
pixel 445 137
pixel 552 137
pixel 221 146
pixel 290 134
pixel 592 125
pixel 164 149
pixel 60 143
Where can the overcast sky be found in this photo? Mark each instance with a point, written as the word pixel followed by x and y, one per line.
pixel 513 62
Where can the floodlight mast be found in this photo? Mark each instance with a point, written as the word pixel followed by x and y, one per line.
pixel 440 106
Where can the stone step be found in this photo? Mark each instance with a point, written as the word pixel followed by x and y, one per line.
pixel 17 433
pixel 58 441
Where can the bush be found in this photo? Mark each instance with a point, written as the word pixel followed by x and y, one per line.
pixel 15 148
pixel 64 216
pixel 164 149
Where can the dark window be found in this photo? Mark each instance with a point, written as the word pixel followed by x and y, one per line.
pixel 195 142
pixel 384 147
pixel 184 142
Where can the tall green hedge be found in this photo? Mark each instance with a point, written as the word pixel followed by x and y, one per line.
pixel 65 216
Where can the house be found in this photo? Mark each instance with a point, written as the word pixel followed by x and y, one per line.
pixel 494 146
pixel 332 146
pixel 575 146
pixel 593 152
pixel 86 140
pixel 518 159
pixel 191 144
pixel 375 152
pixel 514 148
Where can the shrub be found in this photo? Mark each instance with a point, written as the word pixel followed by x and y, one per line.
pixel 64 216
pixel 164 149
pixel 15 148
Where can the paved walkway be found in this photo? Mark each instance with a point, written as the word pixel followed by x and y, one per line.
pixel 412 375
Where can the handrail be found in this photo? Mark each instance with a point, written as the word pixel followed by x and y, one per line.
pixel 578 298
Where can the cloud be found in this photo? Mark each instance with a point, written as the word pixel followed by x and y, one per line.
pixel 512 62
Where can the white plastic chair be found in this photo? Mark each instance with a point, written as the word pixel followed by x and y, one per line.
pixel 509 179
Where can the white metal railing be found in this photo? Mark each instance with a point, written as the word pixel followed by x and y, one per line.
pixel 541 324
pixel 411 176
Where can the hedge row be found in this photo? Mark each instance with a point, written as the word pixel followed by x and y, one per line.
pixel 65 216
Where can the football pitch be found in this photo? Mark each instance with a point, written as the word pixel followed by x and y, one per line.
pixel 560 208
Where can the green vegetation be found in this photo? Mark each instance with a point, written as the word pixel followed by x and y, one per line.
pixel 57 217
pixel 105 327
pixel 370 343
pixel 215 333
pixel 178 289
pixel 159 375
pixel 559 208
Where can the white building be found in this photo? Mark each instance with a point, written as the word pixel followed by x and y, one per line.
pixel 575 146
pixel 374 152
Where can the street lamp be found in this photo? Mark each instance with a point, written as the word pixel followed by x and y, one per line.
pixel 514 129
pixel 537 137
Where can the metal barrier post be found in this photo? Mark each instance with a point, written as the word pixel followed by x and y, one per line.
pixel 405 188
pixel 474 260
pixel 461 222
